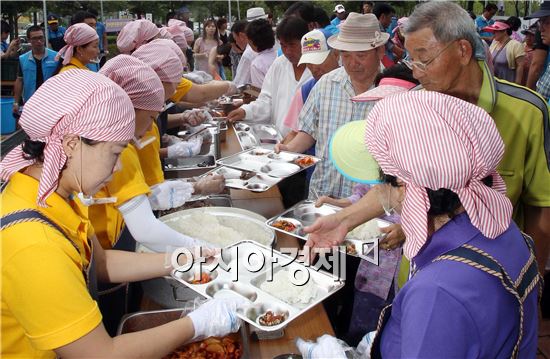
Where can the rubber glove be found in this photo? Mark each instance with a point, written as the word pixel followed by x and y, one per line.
pixel 185 148
pixel 215 318
pixel 194 117
pixel 170 194
pixel 168 140
pixel 326 346
pixel 210 185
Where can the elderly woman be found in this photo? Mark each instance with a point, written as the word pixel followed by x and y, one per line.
pixel 50 310
pixel 468 296
pixel 136 33
pixel 508 54
pixel 82 47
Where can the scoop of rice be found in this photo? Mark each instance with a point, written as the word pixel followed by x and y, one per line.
pixel 281 287
pixel 365 231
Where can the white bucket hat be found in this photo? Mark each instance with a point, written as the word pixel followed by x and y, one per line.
pixel 315 49
pixel 359 33
pixel 255 13
pixel 339 9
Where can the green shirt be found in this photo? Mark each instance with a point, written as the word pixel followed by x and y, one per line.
pixel 521 117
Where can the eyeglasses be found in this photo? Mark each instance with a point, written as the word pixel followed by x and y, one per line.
pixel 423 66
pixel 36 38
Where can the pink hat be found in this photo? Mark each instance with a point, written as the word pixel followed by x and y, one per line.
pixel 387 86
pixel 166 63
pixel 134 34
pixel 187 32
pixel 175 48
pixel 497 26
pixel 164 34
pixel 139 81
pixel 76 35
pixel 100 110
pixel 432 140
pixel 178 36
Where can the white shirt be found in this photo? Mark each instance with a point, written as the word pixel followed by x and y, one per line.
pixel 260 65
pixel 243 70
pixel 278 88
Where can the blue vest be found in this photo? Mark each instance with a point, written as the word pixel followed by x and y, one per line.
pixel 28 68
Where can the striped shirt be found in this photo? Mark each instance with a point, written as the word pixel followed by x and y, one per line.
pixel 328 107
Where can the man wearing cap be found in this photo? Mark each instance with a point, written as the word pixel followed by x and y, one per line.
pixel 340 12
pixel 35 67
pixel 320 59
pixel 55 33
pixel 243 76
pixel 329 104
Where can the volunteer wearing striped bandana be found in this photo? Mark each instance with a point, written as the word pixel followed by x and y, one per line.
pixel 82 47
pixel 50 256
pixel 457 220
pixel 134 34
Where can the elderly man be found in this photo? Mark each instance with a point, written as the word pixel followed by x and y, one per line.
pixel 329 104
pixel 445 62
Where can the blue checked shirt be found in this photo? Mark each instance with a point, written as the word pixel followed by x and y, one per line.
pixel 543 84
pixel 328 107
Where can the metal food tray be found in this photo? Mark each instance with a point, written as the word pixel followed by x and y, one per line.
pixel 252 134
pixel 251 276
pixel 261 160
pixel 247 180
pixel 304 214
pixel 144 320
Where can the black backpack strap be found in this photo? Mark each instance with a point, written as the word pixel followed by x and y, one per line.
pixel 520 289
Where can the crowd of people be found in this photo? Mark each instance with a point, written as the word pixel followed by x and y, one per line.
pixel 422 120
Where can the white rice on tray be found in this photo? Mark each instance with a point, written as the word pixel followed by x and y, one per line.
pixel 365 231
pixel 220 231
pixel 281 287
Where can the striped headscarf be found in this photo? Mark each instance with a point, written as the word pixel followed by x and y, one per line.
pixel 165 34
pixel 138 80
pixel 99 110
pixel 175 48
pixel 166 63
pixel 76 35
pixel 431 140
pixel 186 31
pixel 134 34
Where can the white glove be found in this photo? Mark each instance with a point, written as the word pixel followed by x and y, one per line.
pixel 198 77
pixel 185 148
pixel 326 346
pixel 170 194
pixel 210 185
pixel 168 140
pixel 232 89
pixel 365 345
pixel 215 318
pixel 194 117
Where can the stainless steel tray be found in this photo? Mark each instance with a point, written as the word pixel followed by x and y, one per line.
pixel 261 160
pixel 205 160
pixel 149 319
pixel 305 213
pixel 252 134
pixel 243 270
pixel 240 179
pixel 238 219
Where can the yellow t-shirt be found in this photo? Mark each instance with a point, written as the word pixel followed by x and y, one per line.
pixel 183 88
pixel 125 185
pixel 74 64
pixel 45 301
pixel 149 158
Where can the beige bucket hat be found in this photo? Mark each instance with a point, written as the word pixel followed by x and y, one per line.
pixel 359 33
